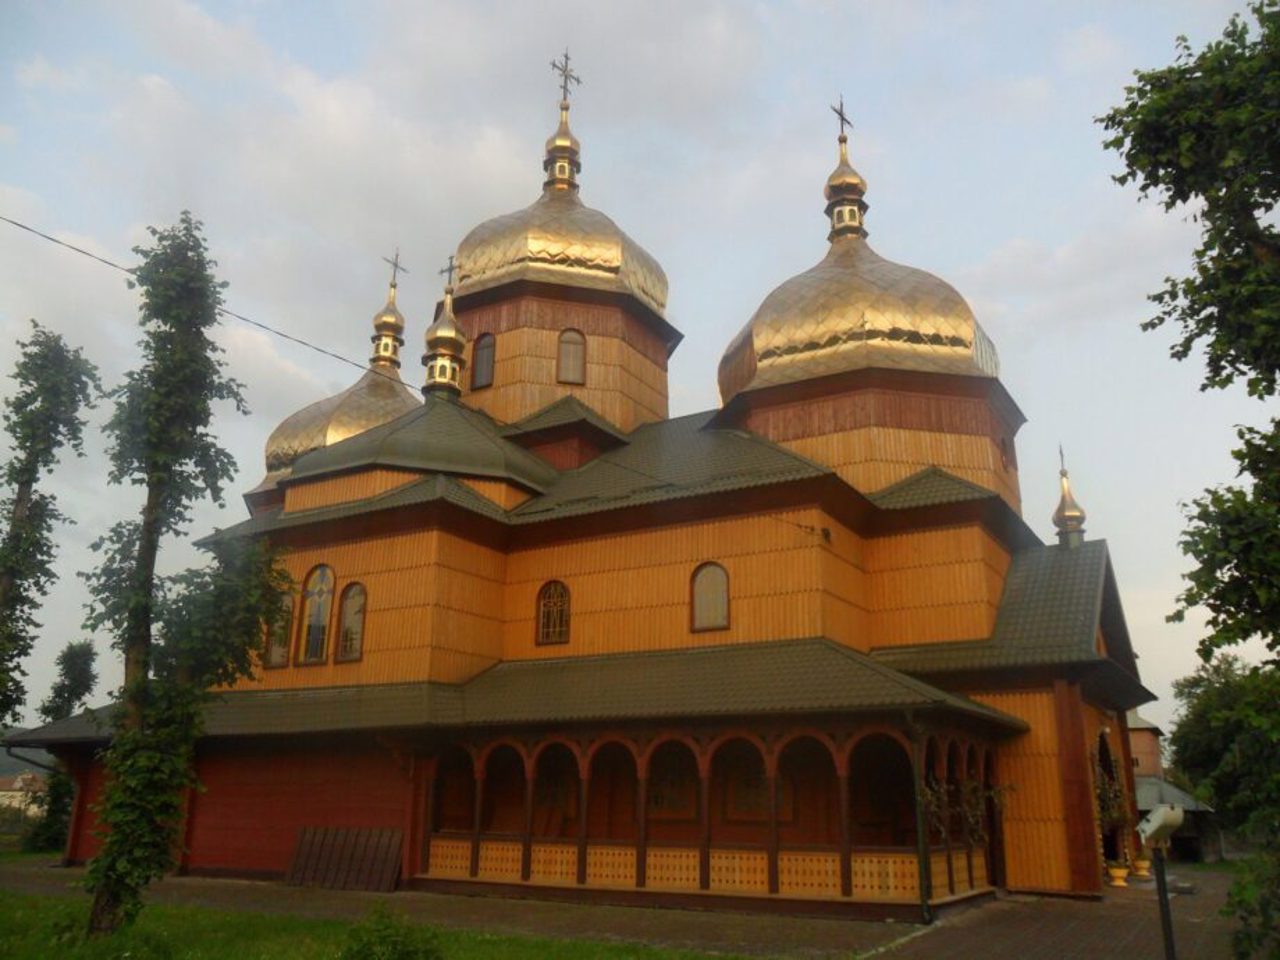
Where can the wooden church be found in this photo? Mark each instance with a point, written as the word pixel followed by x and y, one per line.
pixel 800 652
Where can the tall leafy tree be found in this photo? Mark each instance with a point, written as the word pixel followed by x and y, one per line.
pixel 162 442
pixel 55 384
pixel 77 677
pixel 1203 135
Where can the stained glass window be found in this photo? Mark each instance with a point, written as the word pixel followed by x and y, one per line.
pixel 317 601
pixel 553 613
pixel 351 623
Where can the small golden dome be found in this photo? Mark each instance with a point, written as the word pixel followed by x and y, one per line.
pixel 446 347
pixel 558 239
pixel 1069 517
pixel 377 397
pixel 855 310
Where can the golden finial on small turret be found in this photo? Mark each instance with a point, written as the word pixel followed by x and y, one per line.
pixel 562 162
pixel 388 323
pixel 845 187
pixel 446 346
pixel 1070 516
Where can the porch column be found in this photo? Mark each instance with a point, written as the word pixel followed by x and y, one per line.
pixel 924 852
pixel 846 846
pixel 429 813
pixel 584 794
pixel 704 820
pixel 773 785
pixel 475 823
pixel 642 829
pixel 526 838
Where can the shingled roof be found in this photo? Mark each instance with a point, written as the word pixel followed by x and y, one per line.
pixel 439 437
pixel 781 677
pixel 667 460
pixel 1055 598
pixel 564 412
pixel 930 487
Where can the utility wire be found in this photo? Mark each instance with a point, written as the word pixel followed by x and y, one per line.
pixel 221 310
pixel 337 356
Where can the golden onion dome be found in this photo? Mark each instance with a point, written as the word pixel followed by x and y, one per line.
pixel 374 399
pixel 559 239
pixel 446 348
pixel 855 310
pixel 1069 517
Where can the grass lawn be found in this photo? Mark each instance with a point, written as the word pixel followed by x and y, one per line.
pixel 40 928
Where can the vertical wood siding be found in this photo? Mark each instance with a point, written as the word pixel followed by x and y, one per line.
pixel 352 486
pixel 872 458
pixel 506 495
pixel 1035 828
pixel 257 798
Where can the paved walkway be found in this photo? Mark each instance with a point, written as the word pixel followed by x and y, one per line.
pixel 1124 926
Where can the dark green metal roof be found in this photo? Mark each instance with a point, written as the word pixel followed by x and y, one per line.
pixel 928 488
pixel 433 488
pixel 791 676
pixel 1055 598
pixel 814 676
pixel 1048 614
pixel 668 460
pixel 565 411
pixel 441 436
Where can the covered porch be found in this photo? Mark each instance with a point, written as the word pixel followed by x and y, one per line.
pixel 836 813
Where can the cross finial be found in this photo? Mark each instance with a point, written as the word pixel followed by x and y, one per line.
pixel 567 76
pixel 448 271
pixel 395 266
pixel 844 117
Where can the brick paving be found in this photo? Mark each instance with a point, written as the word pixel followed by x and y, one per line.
pixel 1124 926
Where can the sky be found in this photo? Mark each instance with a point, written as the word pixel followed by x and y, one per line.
pixel 314 139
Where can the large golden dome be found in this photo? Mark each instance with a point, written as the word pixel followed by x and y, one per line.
pixel 854 310
pixel 559 239
pixel 374 399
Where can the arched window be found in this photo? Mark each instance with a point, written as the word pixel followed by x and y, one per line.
pixel 482 362
pixel 351 623
pixel 277 652
pixel 571 362
pixel 553 613
pixel 710 597
pixel 317 600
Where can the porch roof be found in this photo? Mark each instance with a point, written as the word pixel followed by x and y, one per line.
pixel 813 676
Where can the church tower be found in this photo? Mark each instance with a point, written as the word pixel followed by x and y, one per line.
pixel 556 301
pixel 876 369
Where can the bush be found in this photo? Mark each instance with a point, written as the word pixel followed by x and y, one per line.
pixel 382 936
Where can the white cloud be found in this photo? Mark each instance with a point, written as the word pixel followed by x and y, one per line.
pixel 39 74
pixel 1089 49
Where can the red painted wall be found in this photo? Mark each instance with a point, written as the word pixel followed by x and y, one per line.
pixel 257 797
pixel 82 844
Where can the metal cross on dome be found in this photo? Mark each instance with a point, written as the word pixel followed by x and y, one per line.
pixel 844 117
pixel 448 271
pixel 567 76
pixel 395 266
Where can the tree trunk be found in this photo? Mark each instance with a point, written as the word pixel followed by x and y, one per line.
pixel 18 516
pixel 107 912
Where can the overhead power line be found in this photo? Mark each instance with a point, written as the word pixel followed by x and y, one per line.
pixel 224 311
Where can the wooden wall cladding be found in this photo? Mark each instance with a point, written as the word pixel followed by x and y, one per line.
pixel 872 458
pixel 631 592
pixel 506 495
pixel 1034 820
pixel 433 609
pixel 359 485
pixel 544 313
pixel 256 800
pixel 934 585
pixel 620 384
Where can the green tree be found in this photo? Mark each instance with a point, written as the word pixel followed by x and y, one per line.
pixel 55 385
pixel 162 441
pixel 77 677
pixel 1203 136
